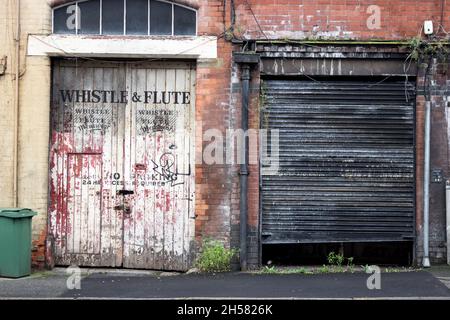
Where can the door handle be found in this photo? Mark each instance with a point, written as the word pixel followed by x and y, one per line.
pixel 125 192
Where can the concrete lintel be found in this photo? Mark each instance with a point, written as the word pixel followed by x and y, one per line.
pixel 202 47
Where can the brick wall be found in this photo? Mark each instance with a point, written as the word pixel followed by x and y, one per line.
pixel 33 118
pixel 7 105
pixel 34 125
pixel 213 111
pixel 253 243
pixel 299 19
pixel 439 79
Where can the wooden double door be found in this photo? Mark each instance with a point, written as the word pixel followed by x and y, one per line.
pixel 122 184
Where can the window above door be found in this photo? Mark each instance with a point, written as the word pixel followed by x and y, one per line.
pixel 125 17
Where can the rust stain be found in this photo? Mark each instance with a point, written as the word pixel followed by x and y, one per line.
pixel 168 202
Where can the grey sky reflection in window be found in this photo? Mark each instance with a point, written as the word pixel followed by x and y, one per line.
pixel 137 17
pixel 117 17
pixel 64 20
pixel 160 18
pixel 112 17
pixel 89 17
pixel 184 21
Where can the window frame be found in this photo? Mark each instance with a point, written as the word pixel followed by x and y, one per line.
pixel 77 20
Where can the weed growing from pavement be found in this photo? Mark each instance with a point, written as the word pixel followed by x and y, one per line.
pixel 335 265
pixel 214 257
pixel 335 259
pixel 325 269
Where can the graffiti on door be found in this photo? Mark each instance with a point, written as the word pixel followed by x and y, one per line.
pixel 122 185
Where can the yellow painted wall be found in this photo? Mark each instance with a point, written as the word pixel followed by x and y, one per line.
pixel 34 103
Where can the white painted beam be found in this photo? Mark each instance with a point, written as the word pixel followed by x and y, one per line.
pixel 203 47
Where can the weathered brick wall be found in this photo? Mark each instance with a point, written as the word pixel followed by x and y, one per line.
pixel 254 169
pixel 253 241
pixel 33 148
pixel 213 111
pixel 334 19
pixel 33 118
pixel 7 105
pixel 439 83
pixel 34 125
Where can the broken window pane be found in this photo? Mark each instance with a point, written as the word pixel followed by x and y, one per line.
pixel 89 17
pixel 137 17
pixel 160 18
pixel 113 16
pixel 184 21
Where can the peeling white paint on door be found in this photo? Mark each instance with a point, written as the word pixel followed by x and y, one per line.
pixel 122 164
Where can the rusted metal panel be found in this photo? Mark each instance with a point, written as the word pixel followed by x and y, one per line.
pixel 347 169
pixel 332 66
pixel 121 178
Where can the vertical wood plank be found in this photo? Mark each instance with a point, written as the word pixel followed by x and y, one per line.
pixel 121 82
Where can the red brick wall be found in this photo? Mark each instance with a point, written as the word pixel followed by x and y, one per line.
pixel 213 182
pixel 253 169
pixel 38 251
pixel 337 19
pixel 439 148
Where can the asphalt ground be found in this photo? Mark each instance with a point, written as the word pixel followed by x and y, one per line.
pixel 150 285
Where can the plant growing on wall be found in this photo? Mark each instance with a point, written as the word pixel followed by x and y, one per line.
pixel 423 50
pixel 214 257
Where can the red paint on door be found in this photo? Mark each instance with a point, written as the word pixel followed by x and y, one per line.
pixel 121 175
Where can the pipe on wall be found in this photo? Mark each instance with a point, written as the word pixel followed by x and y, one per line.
pixel 426 187
pixel 246 60
pixel 426 167
pixel 16 106
pixel 448 219
pixel 245 77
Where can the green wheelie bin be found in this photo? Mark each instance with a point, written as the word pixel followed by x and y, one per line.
pixel 15 242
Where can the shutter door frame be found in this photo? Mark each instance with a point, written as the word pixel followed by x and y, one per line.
pixel 378 224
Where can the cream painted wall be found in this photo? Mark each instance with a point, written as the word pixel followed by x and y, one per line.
pixel 6 103
pixel 33 111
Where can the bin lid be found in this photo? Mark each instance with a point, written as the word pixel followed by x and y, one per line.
pixel 16 213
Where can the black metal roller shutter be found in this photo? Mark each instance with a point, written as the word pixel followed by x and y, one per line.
pixel 347 166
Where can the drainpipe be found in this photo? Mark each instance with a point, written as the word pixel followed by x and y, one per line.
pixel 448 220
pixel 426 168
pixel 246 60
pixel 426 187
pixel 16 107
pixel 243 173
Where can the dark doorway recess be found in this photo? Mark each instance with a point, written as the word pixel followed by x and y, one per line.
pixel 378 253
